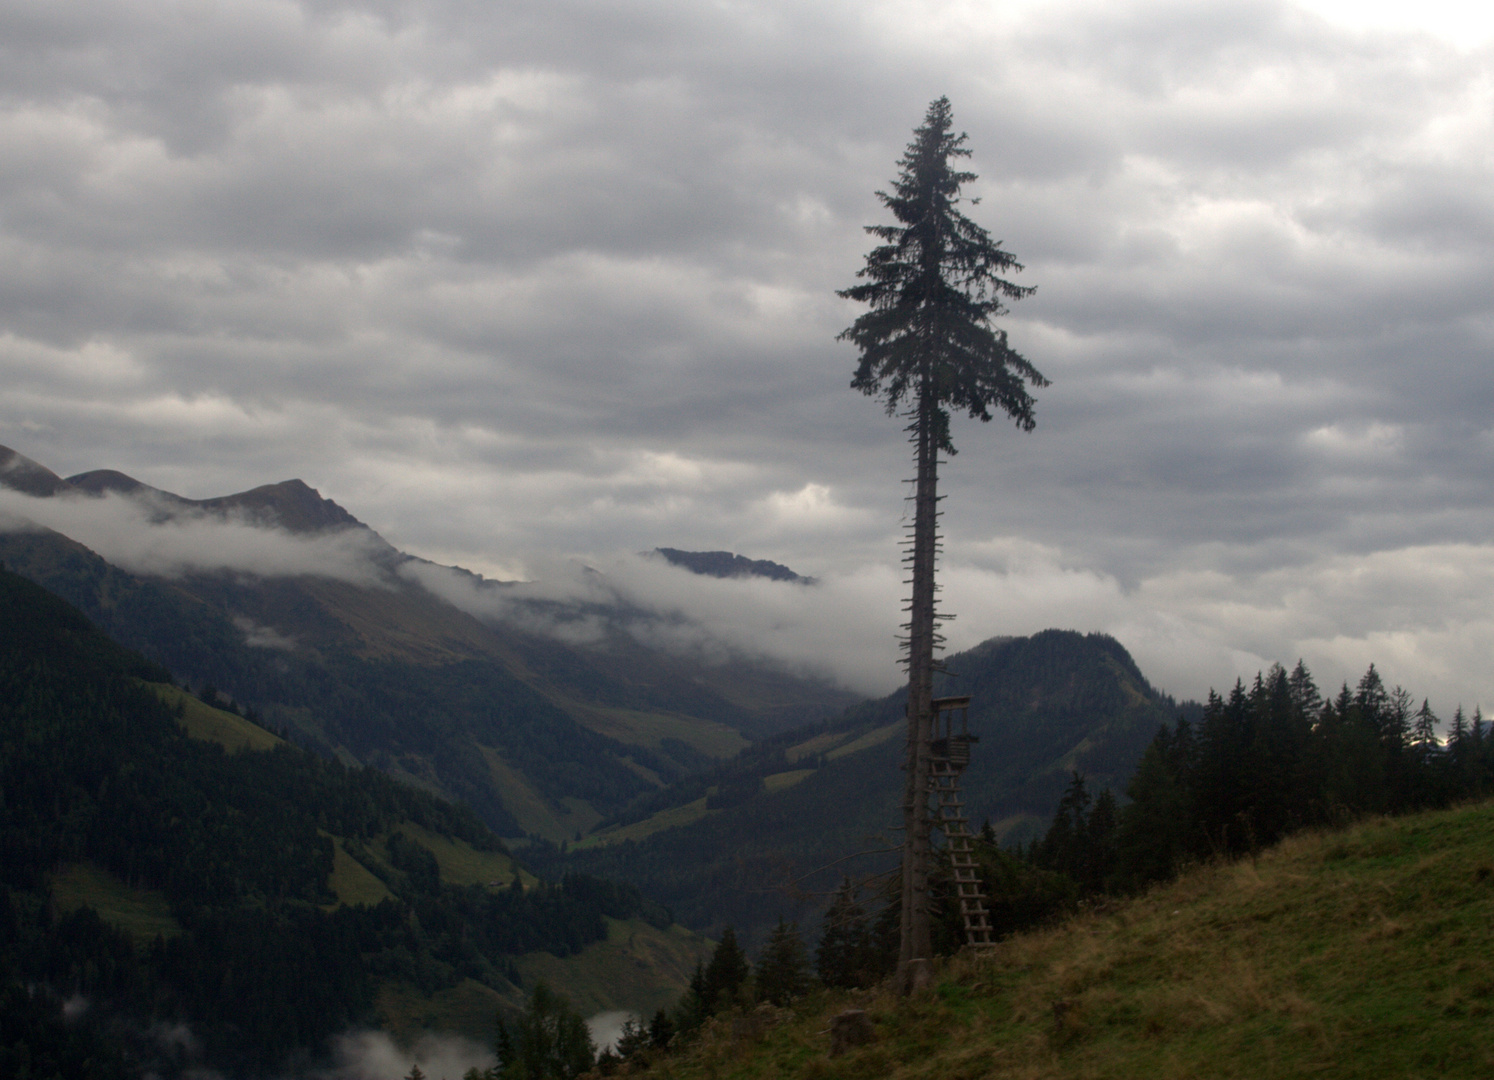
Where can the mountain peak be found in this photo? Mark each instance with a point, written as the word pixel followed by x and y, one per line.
pixel 724 564
pixel 19 472
pixel 291 504
pixel 104 481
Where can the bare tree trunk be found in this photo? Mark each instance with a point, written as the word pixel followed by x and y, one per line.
pixel 916 943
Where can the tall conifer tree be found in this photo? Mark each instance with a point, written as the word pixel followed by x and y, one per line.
pixel 725 974
pixel 783 969
pixel 927 344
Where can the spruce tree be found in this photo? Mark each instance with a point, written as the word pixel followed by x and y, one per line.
pixel 1063 848
pixel 1305 695
pixel 632 1038
pixel 549 1041
pixel 725 974
pixel 843 957
pixel 927 344
pixel 1424 732
pixel 783 969
pixel 692 1009
pixel 1100 838
pixel 1478 740
pixel 660 1030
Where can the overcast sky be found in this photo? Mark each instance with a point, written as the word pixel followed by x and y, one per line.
pixel 514 281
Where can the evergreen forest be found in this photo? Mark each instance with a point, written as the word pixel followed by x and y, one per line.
pixel 257 958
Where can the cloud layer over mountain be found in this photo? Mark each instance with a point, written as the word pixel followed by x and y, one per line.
pixel 527 280
pixel 131 534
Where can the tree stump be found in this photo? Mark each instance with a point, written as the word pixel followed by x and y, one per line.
pixel 850 1028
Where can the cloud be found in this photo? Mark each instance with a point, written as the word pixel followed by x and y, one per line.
pixel 1417 612
pixel 263 637
pixel 606 1027
pixel 548 280
pixel 129 532
pixel 373 1055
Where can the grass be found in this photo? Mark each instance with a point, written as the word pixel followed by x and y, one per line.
pixel 875 737
pixel 141 913
pixel 672 818
pixel 352 882
pixel 638 967
pixel 535 813
pixel 462 864
pixel 649 729
pixel 204 722
pixel 1363 953
pixel 355 882
pixel 817 745
pixel 779 781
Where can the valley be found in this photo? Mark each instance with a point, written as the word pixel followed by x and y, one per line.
pixel 413 813
pixel 364 662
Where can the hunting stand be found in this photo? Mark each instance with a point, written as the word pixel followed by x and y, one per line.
pixel 949 753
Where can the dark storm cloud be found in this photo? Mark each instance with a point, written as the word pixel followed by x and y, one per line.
pixel 522 278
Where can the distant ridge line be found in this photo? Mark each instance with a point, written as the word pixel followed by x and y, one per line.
pixel 725 564
pixel 291 504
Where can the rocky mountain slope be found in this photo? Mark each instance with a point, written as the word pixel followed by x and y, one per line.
pixel 367 663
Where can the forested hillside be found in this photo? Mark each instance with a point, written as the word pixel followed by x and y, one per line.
pixel 538 735
pixel 262 898
pixel 1258 764
pixel 771 832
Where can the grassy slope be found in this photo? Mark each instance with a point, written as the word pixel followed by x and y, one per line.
pixel 555 820
pixel 141 913
pixel 204 722
pixel 638 967
pixel 638 728
pixel 1365 953
pixel 672 818
pixel 352 882
pixel 779 781
pixel 875 737
pixel 144 913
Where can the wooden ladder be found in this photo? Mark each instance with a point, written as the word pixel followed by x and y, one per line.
pixel 950 754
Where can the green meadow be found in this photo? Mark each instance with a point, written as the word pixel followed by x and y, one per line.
pixel 1367 952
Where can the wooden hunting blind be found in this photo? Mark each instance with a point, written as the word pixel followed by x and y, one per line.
pixel 949 753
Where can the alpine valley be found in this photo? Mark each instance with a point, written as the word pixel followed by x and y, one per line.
pixel 358 655
pixel 436 787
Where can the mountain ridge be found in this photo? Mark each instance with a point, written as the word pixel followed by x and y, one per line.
pixel 726 564
pixel 769 832
pixel 565 734
pixel 292 505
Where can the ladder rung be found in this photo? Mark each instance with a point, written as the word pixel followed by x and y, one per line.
pixel 944 780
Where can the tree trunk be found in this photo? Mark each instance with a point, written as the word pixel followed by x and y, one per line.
pixel 916 942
